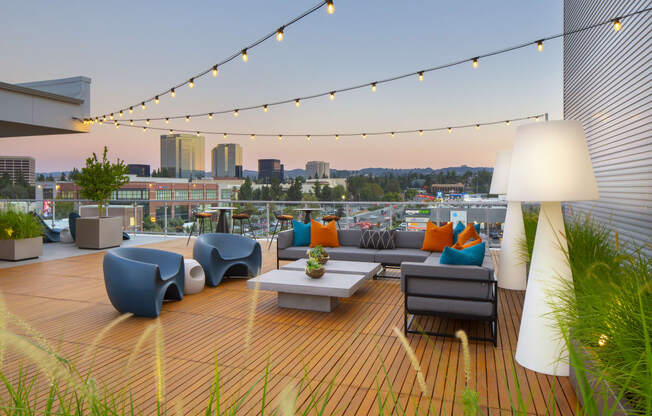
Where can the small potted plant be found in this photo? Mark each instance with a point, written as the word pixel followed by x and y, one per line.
pixel 20 236
pixel 314 269
pixel 318 253
pixel 98 180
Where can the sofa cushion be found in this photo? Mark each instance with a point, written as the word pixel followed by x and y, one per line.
pixel 409 239
pixel 460 307
pixel 301 233
pixel 437 238
pixel 469 233
pixel 378 239
pixel 399 255
pixel 352 253
pixel 349 237
pixel 323 235
pixel 458 246
pixel 472 256
pixel 459 227
pixel 293 253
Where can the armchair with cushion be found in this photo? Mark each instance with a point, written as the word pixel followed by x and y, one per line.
pixel 219 253
pixel 138 279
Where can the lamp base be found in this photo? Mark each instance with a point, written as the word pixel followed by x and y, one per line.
pixel 541 347
pixel 511 269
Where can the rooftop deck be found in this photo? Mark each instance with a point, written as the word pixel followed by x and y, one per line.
pixel 66 301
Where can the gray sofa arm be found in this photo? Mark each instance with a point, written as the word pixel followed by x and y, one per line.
pixel 285 239
pixel 442 279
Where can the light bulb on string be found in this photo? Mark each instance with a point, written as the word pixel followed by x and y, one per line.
pixel 364 136
pixel 332 95
pixel 475 62
pixel 197 134
pixel 337 137
pixel 224 135
pixel 280 137
pixel 540 45
pixel 156 100
pixel 393 135
pixel 144 128
pixel 235 113
pixel 143 105
pixel 507 123
pixel 131 122
pixel 421 76
pixel 536 118
pixel 245 57
pixel 147 122
pixel 373 87
pixel 420 132
pixel 187 119
pixel 210 116
pixel 171 131
pixel 191 83
pixel 477 127
pixel 279 34
pixel 167 120
pixel 215 70
pixel 116 125
pixel 172 93
pixel 450 130
pixel 265 108
pixel 297 102
pixel 120 113
pixel 617 25
pixel 253 137
pixel 308 137
pixel 131 110
pixel 111 116
pixel 330 7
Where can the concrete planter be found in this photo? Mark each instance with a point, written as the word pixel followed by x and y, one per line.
pixel 604 395
pixel 27 248
pixel 98 233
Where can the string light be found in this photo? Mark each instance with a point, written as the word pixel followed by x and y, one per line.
pixel 172 93
pixel 330 7
pixel 337 137
pixel 143 105
pixel 308 137
pixel 477 127
pixel 536 118
pixel 364 136
pixel 187 119
pixel 131 110
pixel 393 134
pixel 450 130
pixel 297 103
pixel 147 122
pixel 373 86
pixel 171 131
pixel 210 116
pixel 475 62
pixel 116 125
pixel 245 58
pixel 279 34
pixel 235 113
pixel 507 123
pixel 144 128
pixel 617 25
pixel 131 122
pixel 265 109
pixel 225 135
pixel 104 117
pixel 156 100
pixel 111 116
pixel 191 83
pixel 253 137
pixel 120 113
pixel 197 134
pixel 215 70
pixel 540 45
pixel 421 76
pixel 332 95
pixel 280 137
pixel 167 120
pixel 420 132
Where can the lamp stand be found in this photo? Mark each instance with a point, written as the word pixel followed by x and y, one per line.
pixel 540 345
pixel 511 269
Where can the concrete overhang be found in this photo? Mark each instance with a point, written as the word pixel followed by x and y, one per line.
pixel 45 107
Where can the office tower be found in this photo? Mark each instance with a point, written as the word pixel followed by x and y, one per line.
pixel 227 161
pixel 138 170
pixel 15 166
pixel 182 156
pixel 268 169
pixel 318 169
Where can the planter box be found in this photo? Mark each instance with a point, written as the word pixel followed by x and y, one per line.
pixel 98 233
pixel 603 395
pixel 28 248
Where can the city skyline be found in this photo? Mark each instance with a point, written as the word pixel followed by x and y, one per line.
pixel 336 51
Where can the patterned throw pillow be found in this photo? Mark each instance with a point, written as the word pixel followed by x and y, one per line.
pixel 378 239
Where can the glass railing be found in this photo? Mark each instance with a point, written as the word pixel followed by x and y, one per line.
pixel 176 217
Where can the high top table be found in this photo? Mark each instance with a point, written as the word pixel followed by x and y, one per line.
pixel 222 223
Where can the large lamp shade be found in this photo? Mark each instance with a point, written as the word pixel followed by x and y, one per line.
pixel 511 270
pixel 550 164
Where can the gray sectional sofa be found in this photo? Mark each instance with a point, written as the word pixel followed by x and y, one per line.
pixel 430 288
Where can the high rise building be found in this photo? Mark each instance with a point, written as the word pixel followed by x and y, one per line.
pixel 318 169
pixel 182 156
pixel 15 166
pixel 227 161
pixel 138 170
pixel 269 169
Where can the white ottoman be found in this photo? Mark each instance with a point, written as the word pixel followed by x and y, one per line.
pixel 194 277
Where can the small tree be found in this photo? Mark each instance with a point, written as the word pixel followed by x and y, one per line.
pixel 99 179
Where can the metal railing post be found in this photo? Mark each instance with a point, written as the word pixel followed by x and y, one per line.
pixel 348 215
pixel 165 218
pixel 267 215
pixel 391 216
pixel 54 211
pixel 135 219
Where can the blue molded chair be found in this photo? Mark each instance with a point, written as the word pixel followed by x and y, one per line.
pixel 219 253
pixel 138 279
pixel 72 224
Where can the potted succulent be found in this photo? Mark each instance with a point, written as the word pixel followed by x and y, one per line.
pixel 20 236
pixel 98 180
pixel 318 253
pixel 314 269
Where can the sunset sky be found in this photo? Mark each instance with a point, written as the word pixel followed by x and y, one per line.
pixel 132 50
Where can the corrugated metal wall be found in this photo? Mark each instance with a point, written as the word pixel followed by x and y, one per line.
pixel 608 87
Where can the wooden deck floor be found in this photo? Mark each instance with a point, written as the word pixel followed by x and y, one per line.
pixel 65 300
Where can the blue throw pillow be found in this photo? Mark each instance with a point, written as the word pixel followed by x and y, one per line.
pixel 459 227
pixel 477 227
pixel 301 233
pixel 472 256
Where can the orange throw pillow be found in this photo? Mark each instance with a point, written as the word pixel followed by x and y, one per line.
pixel 468 234
pixel 323 235
pixel 458 246
pixel 437 238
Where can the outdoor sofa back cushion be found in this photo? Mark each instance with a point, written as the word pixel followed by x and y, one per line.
pixel 458 246
pixel 472 256
pixel 301 235
pixel 437 238
pixel 323 235
pixel 469 234
pixel 408 239
pixel 378 239
pixel 459 227
pixel 349 238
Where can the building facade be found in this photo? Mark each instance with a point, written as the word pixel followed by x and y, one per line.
pixel 226 161
pixel 606 87
pixel 182 156
pixel 317 169
pixel 16 166
pixel 269 169
pixel 139 170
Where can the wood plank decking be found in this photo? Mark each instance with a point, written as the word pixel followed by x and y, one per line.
pixel 65 300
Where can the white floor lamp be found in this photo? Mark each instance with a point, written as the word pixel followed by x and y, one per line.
pixel 550 164
pixel 511 269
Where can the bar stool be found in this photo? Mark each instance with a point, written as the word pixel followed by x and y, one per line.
pixel 242 217
pixel 201 218
pixel 328 218
pixel 282 219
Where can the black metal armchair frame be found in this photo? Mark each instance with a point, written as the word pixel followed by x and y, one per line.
pixel 492 319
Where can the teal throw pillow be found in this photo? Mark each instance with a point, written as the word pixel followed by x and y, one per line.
pixel 472 256
pixel 301 233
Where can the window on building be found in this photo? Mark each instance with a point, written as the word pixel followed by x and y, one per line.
pixel 211 194
pixel 163 194
pixel 130 194
pixel 66 194
pixel 180 194
pixel 196 194
pixel 225 194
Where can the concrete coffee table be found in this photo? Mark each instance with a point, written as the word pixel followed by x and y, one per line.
pixel 340 266
pixel 298 291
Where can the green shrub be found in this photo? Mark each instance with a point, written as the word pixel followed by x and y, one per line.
pixel 530 221
pixel 16 225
